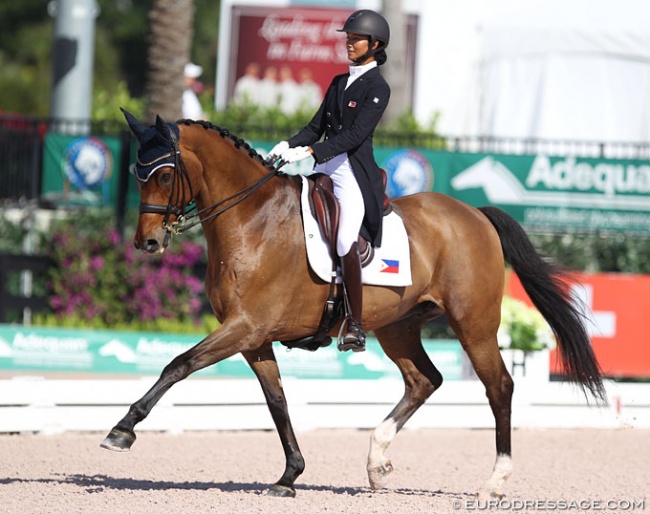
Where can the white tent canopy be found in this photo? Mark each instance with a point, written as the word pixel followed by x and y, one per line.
pixel 551 69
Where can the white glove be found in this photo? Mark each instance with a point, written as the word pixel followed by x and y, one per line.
pixel 296 154
pixel 277 151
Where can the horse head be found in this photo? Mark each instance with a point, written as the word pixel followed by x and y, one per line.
pixel 165 187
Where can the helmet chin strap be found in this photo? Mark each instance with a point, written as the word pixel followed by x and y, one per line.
pixel 369 53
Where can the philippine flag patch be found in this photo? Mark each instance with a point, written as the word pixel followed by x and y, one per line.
pixel 352 104
pixel 389 266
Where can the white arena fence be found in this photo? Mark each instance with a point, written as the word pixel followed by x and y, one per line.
pixel 54 405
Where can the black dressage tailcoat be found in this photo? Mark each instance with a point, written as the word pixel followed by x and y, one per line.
pixel 347 119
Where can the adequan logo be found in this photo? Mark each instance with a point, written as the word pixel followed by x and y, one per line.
pixel 566 183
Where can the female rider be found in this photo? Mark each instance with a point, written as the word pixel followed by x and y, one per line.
pixel 347 117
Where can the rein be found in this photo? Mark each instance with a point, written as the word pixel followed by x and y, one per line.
pixel 185 214
pixel 243 194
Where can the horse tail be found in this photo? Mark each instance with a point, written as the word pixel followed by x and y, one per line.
pixel 546 286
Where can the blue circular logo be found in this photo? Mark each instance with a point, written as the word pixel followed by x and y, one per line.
pixel 88 162
pixel 408 172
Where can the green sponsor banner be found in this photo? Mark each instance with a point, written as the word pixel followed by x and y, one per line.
pixel 556 193
pixel 81 170
pixel 49 349
pixel 541 192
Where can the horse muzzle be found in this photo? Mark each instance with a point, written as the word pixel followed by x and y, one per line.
pixel 152 242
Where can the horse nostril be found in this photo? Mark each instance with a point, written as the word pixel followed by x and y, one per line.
pixel 151 246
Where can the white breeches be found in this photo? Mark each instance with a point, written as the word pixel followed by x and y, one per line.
pixel 348 193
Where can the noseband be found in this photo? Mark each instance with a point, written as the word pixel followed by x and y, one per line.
pixel 184 214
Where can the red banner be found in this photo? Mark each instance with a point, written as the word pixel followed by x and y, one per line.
pixel 618 320
pixel 297 45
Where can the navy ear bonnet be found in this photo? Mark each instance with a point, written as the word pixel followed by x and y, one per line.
pixel 158 145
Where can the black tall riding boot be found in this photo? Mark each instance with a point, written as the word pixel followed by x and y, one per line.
pixel 354 339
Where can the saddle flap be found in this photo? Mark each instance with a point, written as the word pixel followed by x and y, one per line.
pixel 326 209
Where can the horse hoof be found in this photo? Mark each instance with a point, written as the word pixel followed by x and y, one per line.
pixel 485 495
pixel 378 476
pixel 281 491
pixel 118 441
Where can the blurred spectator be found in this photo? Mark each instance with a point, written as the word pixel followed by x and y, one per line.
pixel 310 93
pixel 247 87
pixel 289 91
pixel 191 106
pixel 268 92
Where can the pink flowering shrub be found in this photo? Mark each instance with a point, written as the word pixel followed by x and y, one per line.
pixel 106 282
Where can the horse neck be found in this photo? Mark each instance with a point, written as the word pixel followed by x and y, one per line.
pixel 228 170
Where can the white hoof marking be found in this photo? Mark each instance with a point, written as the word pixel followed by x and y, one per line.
pixel 379 467
pixel 501 472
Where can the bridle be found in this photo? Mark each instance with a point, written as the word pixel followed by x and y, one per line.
pixel 188 212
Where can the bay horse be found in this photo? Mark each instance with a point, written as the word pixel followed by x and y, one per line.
pixel 262 289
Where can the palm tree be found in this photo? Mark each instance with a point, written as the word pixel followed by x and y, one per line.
pixel 170 40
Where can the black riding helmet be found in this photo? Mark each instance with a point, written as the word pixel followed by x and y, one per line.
pixel 368 23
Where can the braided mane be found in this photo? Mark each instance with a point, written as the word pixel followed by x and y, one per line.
pixel 226 134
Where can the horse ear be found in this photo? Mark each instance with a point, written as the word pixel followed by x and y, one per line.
pixel 161 128
pixel 136 127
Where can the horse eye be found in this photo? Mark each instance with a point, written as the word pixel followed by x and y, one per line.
pixel 165 178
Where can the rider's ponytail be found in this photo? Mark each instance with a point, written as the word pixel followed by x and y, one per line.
pixel 381 57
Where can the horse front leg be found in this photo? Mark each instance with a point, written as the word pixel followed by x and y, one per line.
pixel 220 344
pixel 263 363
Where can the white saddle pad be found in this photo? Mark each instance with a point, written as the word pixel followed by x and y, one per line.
pixel 391 265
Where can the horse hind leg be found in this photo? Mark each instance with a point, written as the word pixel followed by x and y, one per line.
pixel 486 359
pixel 488 364
pixel 402 344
